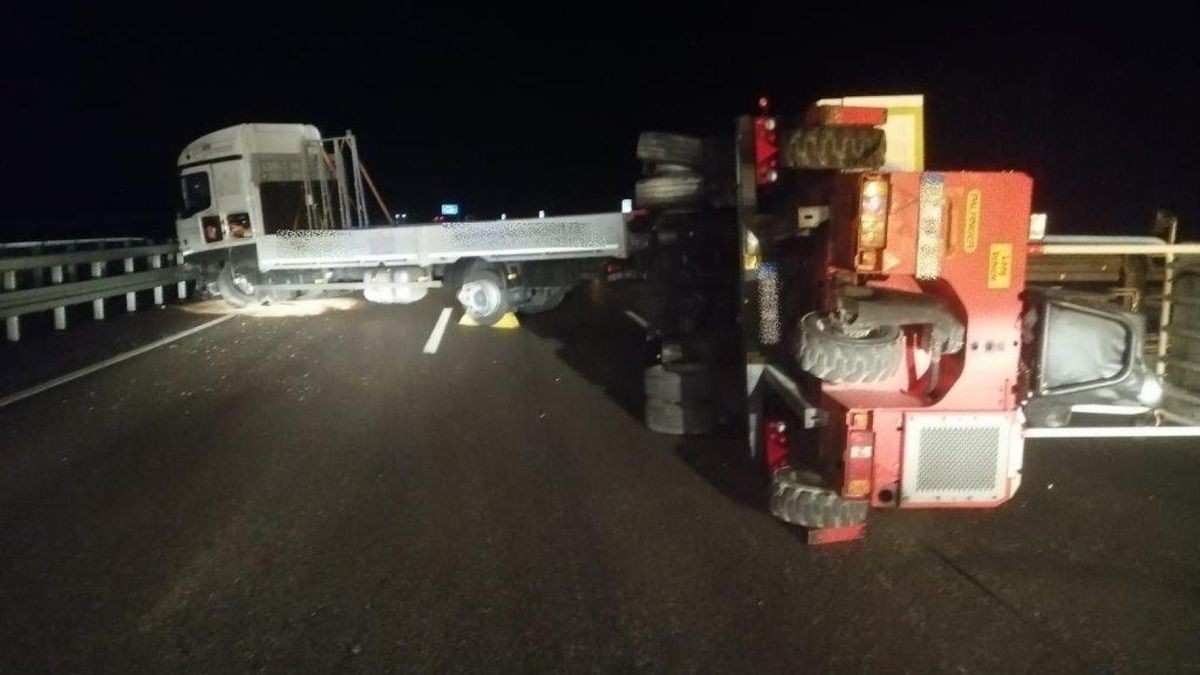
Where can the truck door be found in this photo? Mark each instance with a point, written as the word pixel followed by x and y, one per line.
pixel 200 223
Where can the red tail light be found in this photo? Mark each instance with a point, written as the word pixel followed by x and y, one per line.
pixel 775 450
pixel 859 459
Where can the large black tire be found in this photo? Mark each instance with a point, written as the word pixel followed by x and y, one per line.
pixel 678 383
pixel 835 148
pixel 679 419
pixel 797 500
pixel 543 300
pixel 488 308
pixel 830 354
pixel 234 291
pixel 657 147
pixel 675 190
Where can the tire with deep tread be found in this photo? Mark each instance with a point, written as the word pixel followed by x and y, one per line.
pixel 659 147
pixel 832 355
pixel 678 383
pixel 679 419
pixel 795 499
pixel 850 147
pixel 674 190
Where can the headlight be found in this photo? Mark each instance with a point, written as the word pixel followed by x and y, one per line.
pixel 1151 392
pixel 872 222
pixel 872 213
pixel 750 252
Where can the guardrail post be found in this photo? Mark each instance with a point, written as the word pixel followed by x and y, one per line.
pixel 12 324
pixel 60 313
pixel 39 274
pixel 156 264
pixel 181 287
pixel 98 303
pixel 131 297
pixel 71 274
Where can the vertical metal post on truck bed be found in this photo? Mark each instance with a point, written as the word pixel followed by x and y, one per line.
pixel 1167 224
pixel 359 197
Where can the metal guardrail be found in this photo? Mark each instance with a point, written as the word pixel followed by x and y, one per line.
pixel 9 246
pixel 25 268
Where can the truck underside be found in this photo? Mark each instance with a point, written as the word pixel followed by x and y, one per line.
pixel 892 352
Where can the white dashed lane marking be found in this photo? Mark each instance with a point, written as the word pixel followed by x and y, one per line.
pixel 439 329
pixel 61 380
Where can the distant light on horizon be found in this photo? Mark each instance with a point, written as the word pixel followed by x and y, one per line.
pixel 541 214
pixel 626 206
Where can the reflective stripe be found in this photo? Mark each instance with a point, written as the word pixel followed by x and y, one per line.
pixel 931 226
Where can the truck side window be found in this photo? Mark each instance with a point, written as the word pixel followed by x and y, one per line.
pixel 239 225
pixel 211 225
pixel 197 194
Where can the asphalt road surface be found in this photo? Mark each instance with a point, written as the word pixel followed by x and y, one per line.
pixel 316 493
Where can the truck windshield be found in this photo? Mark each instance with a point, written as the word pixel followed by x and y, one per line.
pixel 196 194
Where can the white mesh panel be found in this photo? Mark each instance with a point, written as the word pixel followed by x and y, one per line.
pixel 955 458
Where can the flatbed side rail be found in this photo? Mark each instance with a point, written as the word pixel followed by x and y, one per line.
pixel 597 235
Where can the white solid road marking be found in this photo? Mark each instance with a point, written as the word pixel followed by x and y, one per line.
pixel 439 329
pixel 75 375
pixel 637 319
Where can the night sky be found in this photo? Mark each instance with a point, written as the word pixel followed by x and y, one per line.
pixel 517 110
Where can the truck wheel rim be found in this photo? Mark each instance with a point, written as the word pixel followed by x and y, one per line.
pixel 243 283
pixel 479 297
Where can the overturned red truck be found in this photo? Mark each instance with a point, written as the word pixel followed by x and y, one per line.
pixel 892 352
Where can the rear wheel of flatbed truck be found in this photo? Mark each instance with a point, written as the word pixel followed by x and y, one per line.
pixel 484 295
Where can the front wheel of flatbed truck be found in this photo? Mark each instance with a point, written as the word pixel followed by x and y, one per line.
pixel 239 288
pixel 484 296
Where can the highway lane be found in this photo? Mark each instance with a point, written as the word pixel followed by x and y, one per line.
pixel 316 493
pixel 44 353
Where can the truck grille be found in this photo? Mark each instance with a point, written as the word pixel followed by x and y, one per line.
pixel 955 458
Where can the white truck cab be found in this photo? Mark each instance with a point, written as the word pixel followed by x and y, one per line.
pixel 240 183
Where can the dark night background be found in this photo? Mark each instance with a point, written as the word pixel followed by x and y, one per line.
pixel 509 110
